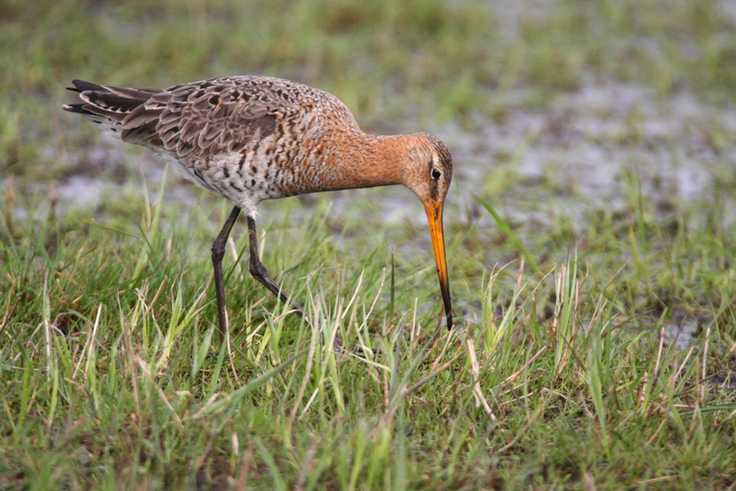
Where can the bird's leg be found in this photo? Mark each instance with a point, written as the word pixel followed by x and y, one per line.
pixel 260 273
pixel 218 252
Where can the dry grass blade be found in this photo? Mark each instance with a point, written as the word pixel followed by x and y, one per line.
pixel 475 371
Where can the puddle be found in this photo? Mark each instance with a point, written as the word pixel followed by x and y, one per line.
pixel 82 191
pixel 589 143
pixel 680 333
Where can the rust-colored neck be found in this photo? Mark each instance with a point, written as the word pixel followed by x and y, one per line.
pixel 365 161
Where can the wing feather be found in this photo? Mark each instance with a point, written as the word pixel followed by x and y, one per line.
pixel 198 118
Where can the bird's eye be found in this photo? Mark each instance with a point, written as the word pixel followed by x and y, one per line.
pixel 436 174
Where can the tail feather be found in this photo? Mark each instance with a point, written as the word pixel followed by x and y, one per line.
pixel 76 108
pixel 108 105
pixel 81 86
pixel 112 103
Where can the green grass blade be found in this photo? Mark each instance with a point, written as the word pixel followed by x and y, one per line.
pixel 509 233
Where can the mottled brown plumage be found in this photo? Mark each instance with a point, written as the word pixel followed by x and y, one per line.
pixel 252 138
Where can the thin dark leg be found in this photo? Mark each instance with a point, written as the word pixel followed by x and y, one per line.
pixel 259 272
pixel 218 252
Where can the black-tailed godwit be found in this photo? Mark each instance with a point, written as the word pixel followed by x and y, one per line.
pixel 252 138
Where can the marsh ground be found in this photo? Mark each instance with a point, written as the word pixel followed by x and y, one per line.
pixel 603 134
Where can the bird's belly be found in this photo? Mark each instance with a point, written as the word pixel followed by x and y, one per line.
pixel 244 178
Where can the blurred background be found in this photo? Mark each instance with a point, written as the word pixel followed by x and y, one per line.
pixel 558 112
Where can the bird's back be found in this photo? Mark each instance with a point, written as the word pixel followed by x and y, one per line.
pixel 245 138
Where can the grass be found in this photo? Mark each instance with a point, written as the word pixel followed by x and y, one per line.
pixel 557 375
pixel 110 378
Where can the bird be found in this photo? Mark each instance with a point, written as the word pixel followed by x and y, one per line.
pixel 252 138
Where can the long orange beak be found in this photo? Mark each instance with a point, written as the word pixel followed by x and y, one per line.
pixel 434 216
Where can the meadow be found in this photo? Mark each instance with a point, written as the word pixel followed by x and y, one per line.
pixel 595 337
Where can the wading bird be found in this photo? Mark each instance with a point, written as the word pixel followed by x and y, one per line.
pixel 250 138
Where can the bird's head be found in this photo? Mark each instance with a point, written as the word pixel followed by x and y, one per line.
pixel 428 173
